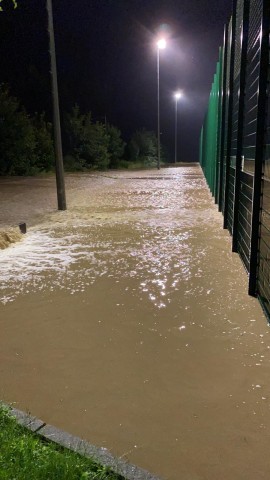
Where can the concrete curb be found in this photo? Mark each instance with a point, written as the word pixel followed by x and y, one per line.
pixel 76 444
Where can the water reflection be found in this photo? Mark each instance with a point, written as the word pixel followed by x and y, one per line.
pixel 130 311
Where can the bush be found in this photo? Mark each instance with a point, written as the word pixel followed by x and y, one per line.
pixel 73 164
pixel 26 145
pixel 116 146
pixel 87 141
pixel 142 148
pixel 44 149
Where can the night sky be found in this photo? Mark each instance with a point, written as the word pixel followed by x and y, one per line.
pixel 106 54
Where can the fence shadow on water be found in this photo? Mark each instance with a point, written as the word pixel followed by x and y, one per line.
pixel 235 140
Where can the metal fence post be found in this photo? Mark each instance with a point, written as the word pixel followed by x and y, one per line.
pixel 240 123
pixel 218 120
pixel 222 119
pixel 260 147
pixel 230 110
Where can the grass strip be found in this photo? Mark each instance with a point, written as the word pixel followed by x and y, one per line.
pixel 25 456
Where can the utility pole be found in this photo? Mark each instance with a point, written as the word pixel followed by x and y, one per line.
pixel 59 167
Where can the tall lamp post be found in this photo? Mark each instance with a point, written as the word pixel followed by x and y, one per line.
pixel 177 96
pixel 161 44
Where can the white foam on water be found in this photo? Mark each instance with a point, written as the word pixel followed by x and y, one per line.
pixel 39 260
pixel 37 252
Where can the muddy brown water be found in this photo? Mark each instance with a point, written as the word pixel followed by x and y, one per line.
pixel 125 320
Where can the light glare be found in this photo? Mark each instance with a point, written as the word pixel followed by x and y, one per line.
pixel 178 95
pixel 161 43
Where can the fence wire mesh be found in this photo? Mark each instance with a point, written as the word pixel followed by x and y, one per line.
pixel 235 140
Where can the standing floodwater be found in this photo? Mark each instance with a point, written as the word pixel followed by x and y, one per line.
pixel 125 320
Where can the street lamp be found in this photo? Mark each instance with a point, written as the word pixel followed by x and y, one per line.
pixel 177 96
pixel 161 44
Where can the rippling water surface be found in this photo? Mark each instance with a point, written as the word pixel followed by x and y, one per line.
pixel 125 320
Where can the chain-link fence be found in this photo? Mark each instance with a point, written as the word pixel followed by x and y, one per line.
pixel 235 139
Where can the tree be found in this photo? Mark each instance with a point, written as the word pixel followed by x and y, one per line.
pixel 26 145
pixel 73 132
pixel 96 145
pixel 142 148
pixel 15 4
pixel 116 145
pixel 87 142
pixel 44 151
pixel 17 138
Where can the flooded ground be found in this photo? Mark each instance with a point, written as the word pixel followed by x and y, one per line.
pixel 125 320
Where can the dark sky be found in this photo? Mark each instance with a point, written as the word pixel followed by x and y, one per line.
pixel 107 57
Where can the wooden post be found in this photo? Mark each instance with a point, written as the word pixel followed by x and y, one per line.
pixel 59 166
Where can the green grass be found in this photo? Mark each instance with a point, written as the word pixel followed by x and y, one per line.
pixel 25 456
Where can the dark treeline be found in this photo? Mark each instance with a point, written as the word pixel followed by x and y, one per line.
pixel 26 145
pixel 26 142
pixel 26 134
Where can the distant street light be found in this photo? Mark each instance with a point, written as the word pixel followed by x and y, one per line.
pixel 177 96
pixel 161 44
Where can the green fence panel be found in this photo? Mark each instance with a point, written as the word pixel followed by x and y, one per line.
pixel 235 139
